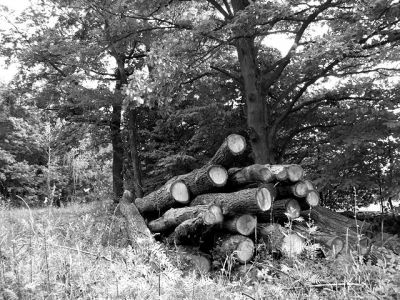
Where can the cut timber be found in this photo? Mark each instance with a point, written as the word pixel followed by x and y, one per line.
pixel 329 241
pixel 233 146
pixel 280 172
pixel 299 189
pixel 175 216
pixel 244 224
pixel 280 239
pixel 205 179
pixel 241 247
pixel 281 209
pixel 191 258
pixel 169 195
pixel 344 227
pixel 310 185
pixel 295 172
pixel 137 230
pixel 189 232
pixel 312 198
pixel 253 173
pixel 249 201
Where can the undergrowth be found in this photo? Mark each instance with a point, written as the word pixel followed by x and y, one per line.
pixel 81 252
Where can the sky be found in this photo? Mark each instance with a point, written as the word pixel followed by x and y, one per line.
pixel 7 72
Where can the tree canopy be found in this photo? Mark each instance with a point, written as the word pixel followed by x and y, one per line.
pixel 163 82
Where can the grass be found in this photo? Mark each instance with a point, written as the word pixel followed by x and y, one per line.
pixel 81 252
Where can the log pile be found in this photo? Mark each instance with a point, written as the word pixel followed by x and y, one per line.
pixel 223 209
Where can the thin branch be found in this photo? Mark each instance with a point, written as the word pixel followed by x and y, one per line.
pixel 227 73
pixel 219 8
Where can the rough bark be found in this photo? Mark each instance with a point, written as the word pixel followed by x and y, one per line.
pixel 344 227
pixel 205 179
pixel 280 172
pixel 118 149
pixel 175 216
pixel 299 189
pixel 249 201
pixel 250 174
pixel 138 233
pixel 243 224
pixel 170 195
pixel 281 209
pixel 239 246
pixel 280 239
pixel 133 145
pixel 233 146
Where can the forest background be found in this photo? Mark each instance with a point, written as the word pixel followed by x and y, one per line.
pixel 113 95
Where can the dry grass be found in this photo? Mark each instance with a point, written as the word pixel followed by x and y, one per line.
pixel 81 252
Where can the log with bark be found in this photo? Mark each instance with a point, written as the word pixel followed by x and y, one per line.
pixel 205 179
pixel 242 224
pixel 253 173
pixel 291 173
pixel 239 247
pixel 233 146
pixel 249 201
pixel 138 232
pixel 175 216
pixel 282 209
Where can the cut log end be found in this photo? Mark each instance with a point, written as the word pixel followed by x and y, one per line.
pixel 310 185
pixel 245 251
pixel 313 198
pixel 295 173
pixel 282 175
pixel 264 198
pixel 292 209
pixel 246 224
pixel 236 144
pixel 218 175
pixel 300 189
pixel 293 245
pixel 213 215
pixel 336 245
pixel 265 174
pixel 180 192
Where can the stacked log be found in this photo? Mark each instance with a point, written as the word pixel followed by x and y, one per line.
pixel 222 208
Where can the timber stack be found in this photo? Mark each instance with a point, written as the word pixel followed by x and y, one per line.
pixel 220 209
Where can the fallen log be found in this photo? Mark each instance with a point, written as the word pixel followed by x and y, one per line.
pixel 189 232
pixel 281 209
pixel 175 216
pixel 312 198
pixel 281 240
pixel 249 201
pixel 292 173
pixel 348 229
pixel 172 194
pixel 233 146
pixel 250 174
pixel 243 224
pixel 299 189
pixel 136 228
pixel 331 243
pixel 205 179
pixel 238 247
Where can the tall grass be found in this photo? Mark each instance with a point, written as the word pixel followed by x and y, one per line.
pixel 81 252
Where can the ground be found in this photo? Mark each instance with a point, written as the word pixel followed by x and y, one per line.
pixel 81 252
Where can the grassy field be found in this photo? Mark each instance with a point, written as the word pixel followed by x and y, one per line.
pixel 81 252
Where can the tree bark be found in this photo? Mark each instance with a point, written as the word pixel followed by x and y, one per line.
pixel 118 149
pixel 170 195
pixel 241 247
pixel 175 216
pixel 256 107
pixel 233 146
pixel 249 201
pixel 243 224
pixel 133 147
pixel 138 233
pixel 281 209
pixel 250 174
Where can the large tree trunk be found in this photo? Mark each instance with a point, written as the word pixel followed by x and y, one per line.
pixel 133 147
pixel 256 108
pixel 118 149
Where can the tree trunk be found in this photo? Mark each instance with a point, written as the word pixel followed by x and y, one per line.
pixel 118 149
pixel 249 201
pixel 256 107
pixel 138 233
pixel 133 146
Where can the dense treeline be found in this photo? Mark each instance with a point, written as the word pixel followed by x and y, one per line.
pixel 130 93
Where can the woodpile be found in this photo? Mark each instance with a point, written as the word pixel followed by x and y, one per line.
pixel 224 210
